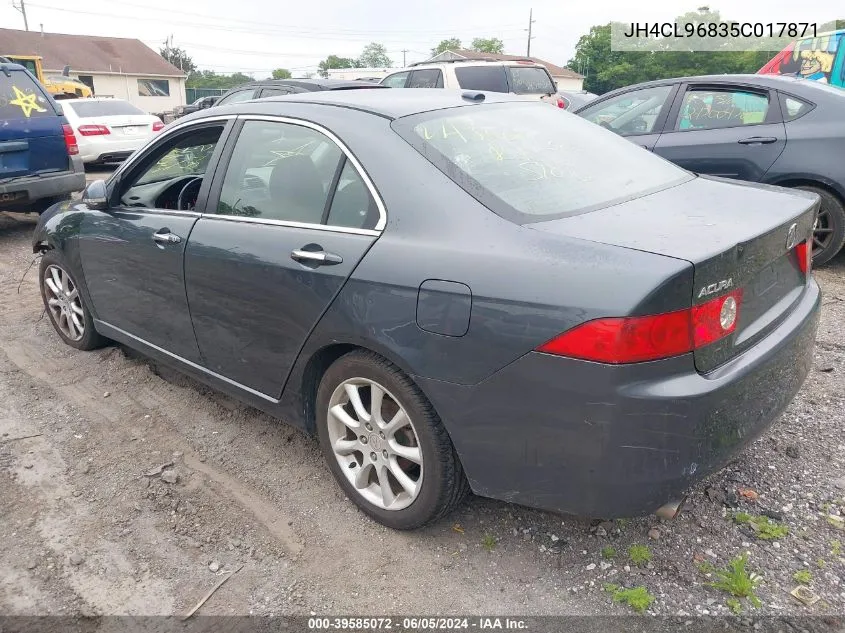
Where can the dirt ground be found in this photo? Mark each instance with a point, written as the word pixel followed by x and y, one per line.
pixel 88 525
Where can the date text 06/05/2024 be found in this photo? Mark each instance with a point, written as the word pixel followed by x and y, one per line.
pixel 721 29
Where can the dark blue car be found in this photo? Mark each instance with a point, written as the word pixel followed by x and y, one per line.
pixel 39 162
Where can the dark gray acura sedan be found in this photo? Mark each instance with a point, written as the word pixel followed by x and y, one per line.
pixel 453 291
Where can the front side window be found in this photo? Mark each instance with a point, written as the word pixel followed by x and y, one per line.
pixel 531 80
pixel 237 97
pixel 528 163
pixel 634 112
pixel 154 87
pixel 711 109
pixel 274 92
pixel 279 171
pixel 171 175
pixel 489 78
pixel 430 78
pixel 396 80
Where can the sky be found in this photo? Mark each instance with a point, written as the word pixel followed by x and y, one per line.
pixel 256 36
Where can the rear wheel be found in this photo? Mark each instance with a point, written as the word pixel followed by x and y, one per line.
pixel 65 305
pixel 385 444
pixel 829 231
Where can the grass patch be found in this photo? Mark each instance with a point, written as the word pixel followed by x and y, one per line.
pixel 488 542
pixel 608 553
pixel 639 554
pixel 802 577
pixel 820 563
pixel 736 580
pixel 836 548
pixel 764 527
pixel 734 605
pixel 705 567
pixel 638 598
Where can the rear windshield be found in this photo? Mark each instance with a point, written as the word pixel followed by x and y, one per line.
pixel 530 162
pixel 530 80
pixel 490 78
pixel 21 98
pixel 87 109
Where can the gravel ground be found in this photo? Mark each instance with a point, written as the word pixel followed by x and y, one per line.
pixel 90 524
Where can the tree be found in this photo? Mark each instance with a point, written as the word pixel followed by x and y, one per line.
pixel 452 44
pixel 374 55
pixel 210 79
pixel 491 45
pixel 281 73
pixel 333 61
pixel 179 58
pixel 606 69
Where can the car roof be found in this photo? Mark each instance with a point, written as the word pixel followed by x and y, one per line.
pixel 308 84
pixel 390 103
pixel 783 82
pixel 517 61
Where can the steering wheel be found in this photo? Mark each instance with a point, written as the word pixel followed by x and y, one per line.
pixel 179 203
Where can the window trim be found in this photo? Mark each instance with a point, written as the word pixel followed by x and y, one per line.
pixel 773 115
pixel 662 117
pixel 223 167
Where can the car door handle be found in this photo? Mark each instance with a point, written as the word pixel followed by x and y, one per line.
pixel 164 236
pixel 321 258
pixel 755 140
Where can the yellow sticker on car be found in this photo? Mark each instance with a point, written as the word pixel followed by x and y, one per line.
pixel 26 102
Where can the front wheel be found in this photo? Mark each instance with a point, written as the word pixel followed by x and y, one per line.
pixel 385 444
pixel 829 231
pixel 65 305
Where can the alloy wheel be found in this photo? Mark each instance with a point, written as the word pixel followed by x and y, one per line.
pixel 822 231
pixel 375 443
pixel 64 302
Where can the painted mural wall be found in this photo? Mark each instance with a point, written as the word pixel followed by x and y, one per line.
pixel 820 59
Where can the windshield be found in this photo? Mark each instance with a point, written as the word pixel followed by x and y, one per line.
pixel 114 107
pixel 530 162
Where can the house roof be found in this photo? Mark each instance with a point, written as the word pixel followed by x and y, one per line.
pixel 554 70
pixel 87 53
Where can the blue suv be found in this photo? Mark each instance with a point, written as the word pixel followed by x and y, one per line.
pixel 39 157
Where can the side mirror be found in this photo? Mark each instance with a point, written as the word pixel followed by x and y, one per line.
pixel 96 196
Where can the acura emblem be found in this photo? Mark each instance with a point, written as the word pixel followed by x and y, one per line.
pixel 792 237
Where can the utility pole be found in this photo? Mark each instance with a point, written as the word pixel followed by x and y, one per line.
pixel 530 22
pixel 404 50
pixel 22 9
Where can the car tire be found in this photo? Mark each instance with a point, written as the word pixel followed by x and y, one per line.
pixel 832 211
pixel 440 484
pixel 58 308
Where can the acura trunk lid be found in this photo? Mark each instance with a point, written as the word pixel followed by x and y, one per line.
pixel 738 237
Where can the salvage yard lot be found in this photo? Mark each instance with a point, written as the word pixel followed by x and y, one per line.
pixel 88 525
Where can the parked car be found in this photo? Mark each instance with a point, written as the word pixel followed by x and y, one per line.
pixel 521 77
pixel 819 58
pixel 572 100
pixel 199 104
pixel 278 87
pixel 109 130
pixel 762 128
pixel 39 156
pixel 452 291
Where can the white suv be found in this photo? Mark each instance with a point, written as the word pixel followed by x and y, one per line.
pixel 523 77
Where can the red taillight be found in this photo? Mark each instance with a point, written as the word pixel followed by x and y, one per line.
pixel 93 130
pixel 804 252
pixel 158 126
pixel 70 140
pixel 561 103
pixel 637 339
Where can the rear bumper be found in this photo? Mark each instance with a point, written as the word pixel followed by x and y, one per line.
pixel 603 441
pixel 106 149
pixel 23 192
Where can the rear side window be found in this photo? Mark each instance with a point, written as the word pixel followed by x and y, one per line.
pixel 430 78
pixel 21 97
pixel 527 162
pixel 530 80
pixel 710 109
pixel 102 108
pixel 793 107
pixel 490 78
